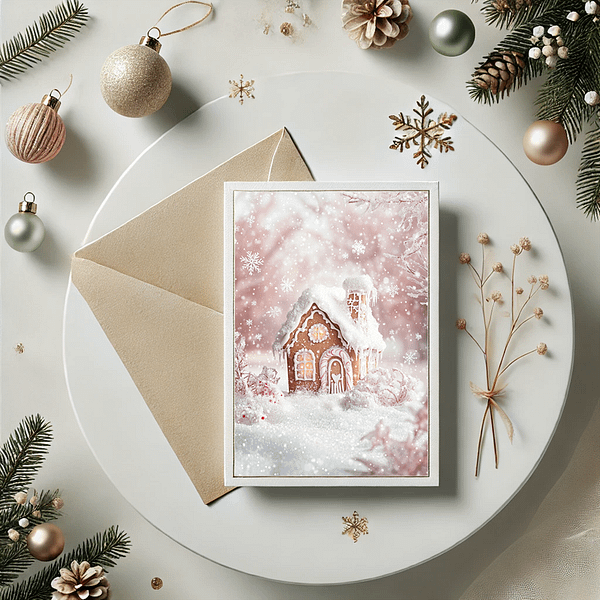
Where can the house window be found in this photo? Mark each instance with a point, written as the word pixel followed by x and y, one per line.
pixel 318 333
pixel 304 365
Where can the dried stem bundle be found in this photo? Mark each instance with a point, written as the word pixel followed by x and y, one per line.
pixel 519 301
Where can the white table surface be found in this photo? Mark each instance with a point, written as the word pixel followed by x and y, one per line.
pixel 101 145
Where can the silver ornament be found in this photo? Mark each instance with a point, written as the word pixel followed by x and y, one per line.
pixel 451 33
pixel 25 231
pixel 135 80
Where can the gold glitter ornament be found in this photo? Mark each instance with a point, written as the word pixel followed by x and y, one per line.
pixel 135 80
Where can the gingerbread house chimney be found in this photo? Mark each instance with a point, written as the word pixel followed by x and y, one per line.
pixel 360 292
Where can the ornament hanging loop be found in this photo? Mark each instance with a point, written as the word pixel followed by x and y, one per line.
pixel 156 37
pixel 28 206
pixel 207 4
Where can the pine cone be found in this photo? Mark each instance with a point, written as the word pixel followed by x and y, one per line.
pixel 376 23
pixel 81 582
pixel 500 71
pixel 511 6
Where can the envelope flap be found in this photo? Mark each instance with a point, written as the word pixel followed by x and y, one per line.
pixel 173 349
pixel 177 245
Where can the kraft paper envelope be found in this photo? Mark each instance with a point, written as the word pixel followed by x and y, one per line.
pixel 155 285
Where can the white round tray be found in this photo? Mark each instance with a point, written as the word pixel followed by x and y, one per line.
pixel 340 124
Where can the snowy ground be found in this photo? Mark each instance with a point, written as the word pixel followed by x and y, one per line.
pixel 306 434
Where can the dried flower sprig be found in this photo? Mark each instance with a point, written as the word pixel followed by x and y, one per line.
pixel 518 303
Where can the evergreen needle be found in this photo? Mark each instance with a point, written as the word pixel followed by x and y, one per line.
pixel 48 34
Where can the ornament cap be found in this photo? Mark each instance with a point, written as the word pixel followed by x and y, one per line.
pixel 27 206
pixel 51 101
pixel 151 42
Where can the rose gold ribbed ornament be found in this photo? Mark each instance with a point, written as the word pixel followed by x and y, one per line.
pixel 35 133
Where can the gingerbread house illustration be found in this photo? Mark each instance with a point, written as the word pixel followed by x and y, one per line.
pixel 330 339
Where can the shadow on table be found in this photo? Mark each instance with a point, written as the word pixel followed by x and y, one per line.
pixel 448 397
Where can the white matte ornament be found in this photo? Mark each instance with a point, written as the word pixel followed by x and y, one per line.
pixel 451 33
pixel 545 142
pixel 135 80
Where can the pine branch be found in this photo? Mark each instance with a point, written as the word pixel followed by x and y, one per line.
pixel 588 179
pixel 48 34
pixel 21 457
pixel 103 549
pixel 14 559
pixel 505 14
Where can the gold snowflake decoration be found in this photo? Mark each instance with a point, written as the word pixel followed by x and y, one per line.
pixel 423 132
pixel 243 89
pixel 19 348
pixel 355 526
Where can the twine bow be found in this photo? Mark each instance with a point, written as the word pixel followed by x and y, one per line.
pixel 489 395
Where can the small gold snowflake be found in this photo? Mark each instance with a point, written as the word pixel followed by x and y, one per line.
pixel 422 132
pixel 243 89
pixel 355 526
pixel 19 348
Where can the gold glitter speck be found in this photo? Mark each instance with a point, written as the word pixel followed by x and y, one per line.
pixel 156 583
pixel 286 29
pixel 354 526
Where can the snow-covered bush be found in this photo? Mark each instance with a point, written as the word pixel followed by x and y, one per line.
pixel 395 457
pixel 383 387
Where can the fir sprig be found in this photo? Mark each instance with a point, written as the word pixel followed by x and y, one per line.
pixel 21 457
pixel 562 97
pixel 588 181
pixel 104 549
pixel 48 34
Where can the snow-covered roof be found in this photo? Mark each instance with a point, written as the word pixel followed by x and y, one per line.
pixel 332 300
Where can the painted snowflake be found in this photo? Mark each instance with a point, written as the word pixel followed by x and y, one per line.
pixel 422 132
pixel 287 285
pixel 392 290
pixel 273 312
pixel 411 357
pixel 252 262
pixel 358 248
pixel 355 526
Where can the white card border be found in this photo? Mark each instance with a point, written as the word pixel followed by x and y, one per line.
pixel 430 480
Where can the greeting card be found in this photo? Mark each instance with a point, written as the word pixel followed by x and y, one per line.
pixel 331 334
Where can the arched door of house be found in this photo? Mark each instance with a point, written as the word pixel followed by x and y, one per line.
pixel 335 371
pixel 335 376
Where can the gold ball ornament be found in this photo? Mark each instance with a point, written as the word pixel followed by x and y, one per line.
pixel 136 80
pixel 35 133
pixel 45 542
pixel 545 142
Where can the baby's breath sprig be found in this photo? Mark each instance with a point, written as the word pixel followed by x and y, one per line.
pixel 519 300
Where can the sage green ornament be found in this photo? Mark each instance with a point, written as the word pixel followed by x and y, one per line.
pixel 24 231
pixel 451 33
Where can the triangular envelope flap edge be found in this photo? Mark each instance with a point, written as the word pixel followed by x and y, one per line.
pixel 177 244
pixel 173 350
